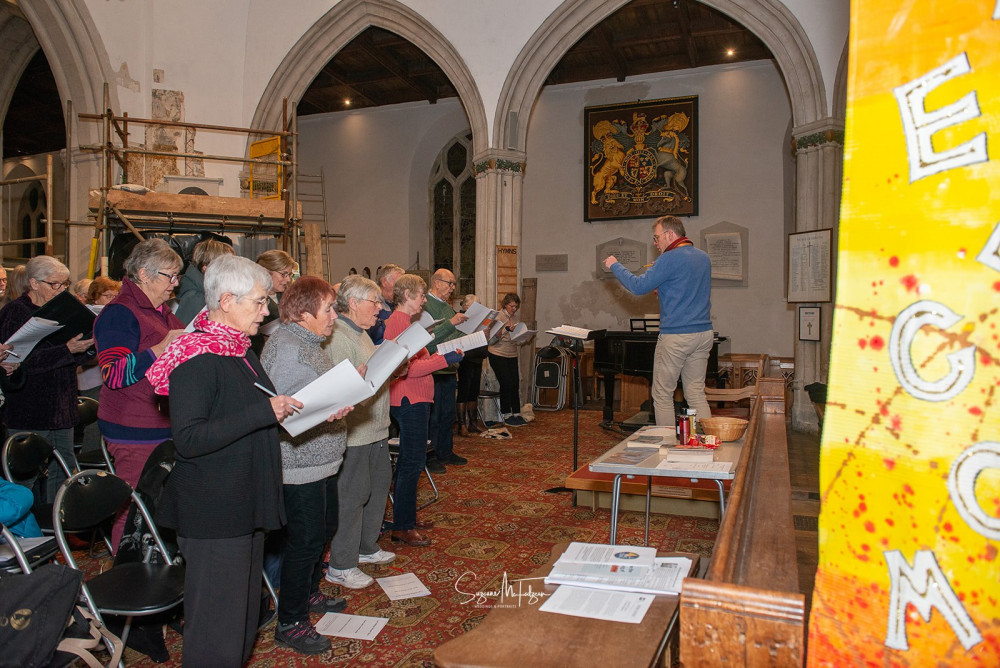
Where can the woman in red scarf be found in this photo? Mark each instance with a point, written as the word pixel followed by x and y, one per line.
pixel 224 492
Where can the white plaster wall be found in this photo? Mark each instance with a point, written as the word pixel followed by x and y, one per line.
pixel 377 164
pixel 744 115
pixel 826 24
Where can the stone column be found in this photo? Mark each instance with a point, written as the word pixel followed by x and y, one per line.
pixel 819 157
pixel 499 178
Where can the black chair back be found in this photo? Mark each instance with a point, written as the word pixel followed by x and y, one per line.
pixel 86 410
pixel 89 500
pixel 26 456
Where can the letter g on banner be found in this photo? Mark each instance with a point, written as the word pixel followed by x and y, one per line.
pixel 962 363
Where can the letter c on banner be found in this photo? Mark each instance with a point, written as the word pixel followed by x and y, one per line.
pixel 904 331
pixel 962 486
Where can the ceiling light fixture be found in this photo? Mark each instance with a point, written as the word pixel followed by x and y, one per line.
pixel 347 101
pixel 730 52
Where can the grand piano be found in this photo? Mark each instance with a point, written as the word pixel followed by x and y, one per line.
pixel 630 353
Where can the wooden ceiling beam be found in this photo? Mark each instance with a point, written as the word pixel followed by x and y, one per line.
pixel 382 57
pixel 335 80
pixel 685 21
pixel 614 57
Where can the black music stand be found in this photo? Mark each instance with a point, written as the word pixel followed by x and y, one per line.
pixel 573 345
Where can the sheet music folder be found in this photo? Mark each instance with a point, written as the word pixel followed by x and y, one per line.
pixel 69 312
pixel 578 333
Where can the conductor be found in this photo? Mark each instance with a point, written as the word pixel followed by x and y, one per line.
pixel 682 278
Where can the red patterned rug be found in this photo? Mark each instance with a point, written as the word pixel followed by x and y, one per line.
pixel 493 519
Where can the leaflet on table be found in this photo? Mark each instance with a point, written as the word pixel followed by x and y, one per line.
pixel 464 343
pixel 342 386
pixel 707 467
pixel 414 338
pixel 612 606
pixel 649 436
pixel 609 557
pixel 428 322
pixel 24 340
pixel 521 333
pixel 479 318
pixel 665 577
pixel 570 332
pixel 687 455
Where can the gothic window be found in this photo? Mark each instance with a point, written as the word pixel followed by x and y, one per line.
pixel 453 213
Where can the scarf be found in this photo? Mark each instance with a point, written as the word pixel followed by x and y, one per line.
pixel 212 337
pixel 679 241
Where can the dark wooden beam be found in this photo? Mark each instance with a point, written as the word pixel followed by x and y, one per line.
pixel 685 21
pixel 614 57
pixel 384 58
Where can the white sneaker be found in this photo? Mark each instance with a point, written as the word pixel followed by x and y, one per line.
pixel 380 557
pixel 352 578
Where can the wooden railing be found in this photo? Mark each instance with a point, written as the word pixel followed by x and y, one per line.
pixel 747 611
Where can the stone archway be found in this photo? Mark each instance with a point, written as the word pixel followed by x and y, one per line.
pixel 769 20
pixel 337 28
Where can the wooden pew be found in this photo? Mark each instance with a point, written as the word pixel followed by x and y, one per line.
pixel 747 611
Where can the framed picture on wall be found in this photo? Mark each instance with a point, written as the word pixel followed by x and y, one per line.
pixel 641 159
pixel 809 257
pixel 809 323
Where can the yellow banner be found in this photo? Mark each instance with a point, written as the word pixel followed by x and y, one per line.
pixel 909 571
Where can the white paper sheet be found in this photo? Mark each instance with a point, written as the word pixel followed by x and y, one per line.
pixel 708 467
pixel 521 333
pixel 386 359
pixel 464 343
pixel 338 388
pixel 607 556
pixel 428 322
pixel 27 337
pixel 479 317
pixel 612 606
pixel 399 587
pixel 665 577
pixel 414 338
pixel 356 627
pixel 570 332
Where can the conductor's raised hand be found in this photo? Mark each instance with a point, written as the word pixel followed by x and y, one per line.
pixel 608 261
pixel 284 406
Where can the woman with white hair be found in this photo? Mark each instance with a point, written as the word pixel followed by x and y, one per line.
pixel 224 492
pixel 130 333
pixel 363 484
pixel 46 403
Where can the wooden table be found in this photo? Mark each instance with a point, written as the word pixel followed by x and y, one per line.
pixel 519 634
pixel 727 452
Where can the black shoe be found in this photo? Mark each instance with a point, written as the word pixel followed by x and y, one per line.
pixel 455 460
pixel 302 637
pixel 320 602
pixel 434 466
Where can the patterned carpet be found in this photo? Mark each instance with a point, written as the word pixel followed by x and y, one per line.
pixel 493 518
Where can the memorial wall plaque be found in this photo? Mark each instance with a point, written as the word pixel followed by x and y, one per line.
pixel 552 262
pixel 630 253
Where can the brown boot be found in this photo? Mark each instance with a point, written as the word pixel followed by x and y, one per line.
pixel 472 418
pixel 463 417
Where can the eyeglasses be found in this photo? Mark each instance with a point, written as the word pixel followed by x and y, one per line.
pixel 170 277
pixel 451 283
pixel 109 295
pixel 57 286
pixel 377 302
pixel 656 237
pixel 260 302
pixel 285 274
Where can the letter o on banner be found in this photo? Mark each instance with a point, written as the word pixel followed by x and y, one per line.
pixel 962 486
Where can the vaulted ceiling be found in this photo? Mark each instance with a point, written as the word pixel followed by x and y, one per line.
pixel 645 36
pixel 380 68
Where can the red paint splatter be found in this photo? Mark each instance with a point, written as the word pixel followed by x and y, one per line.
pixel 862 557
pixel 996 286
pixel 907 488
pixel 884 410
pixel 910 282
pixel 947 527
pixel 865 547
pixel 976 410
pixel 991 553
pixel 863 507
pixel 894 261
pixel 862 343
pixel 897 422
pixel 877 342
pixel 890 521
pixel 890 464
pixel 870 526
pixel 984 358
